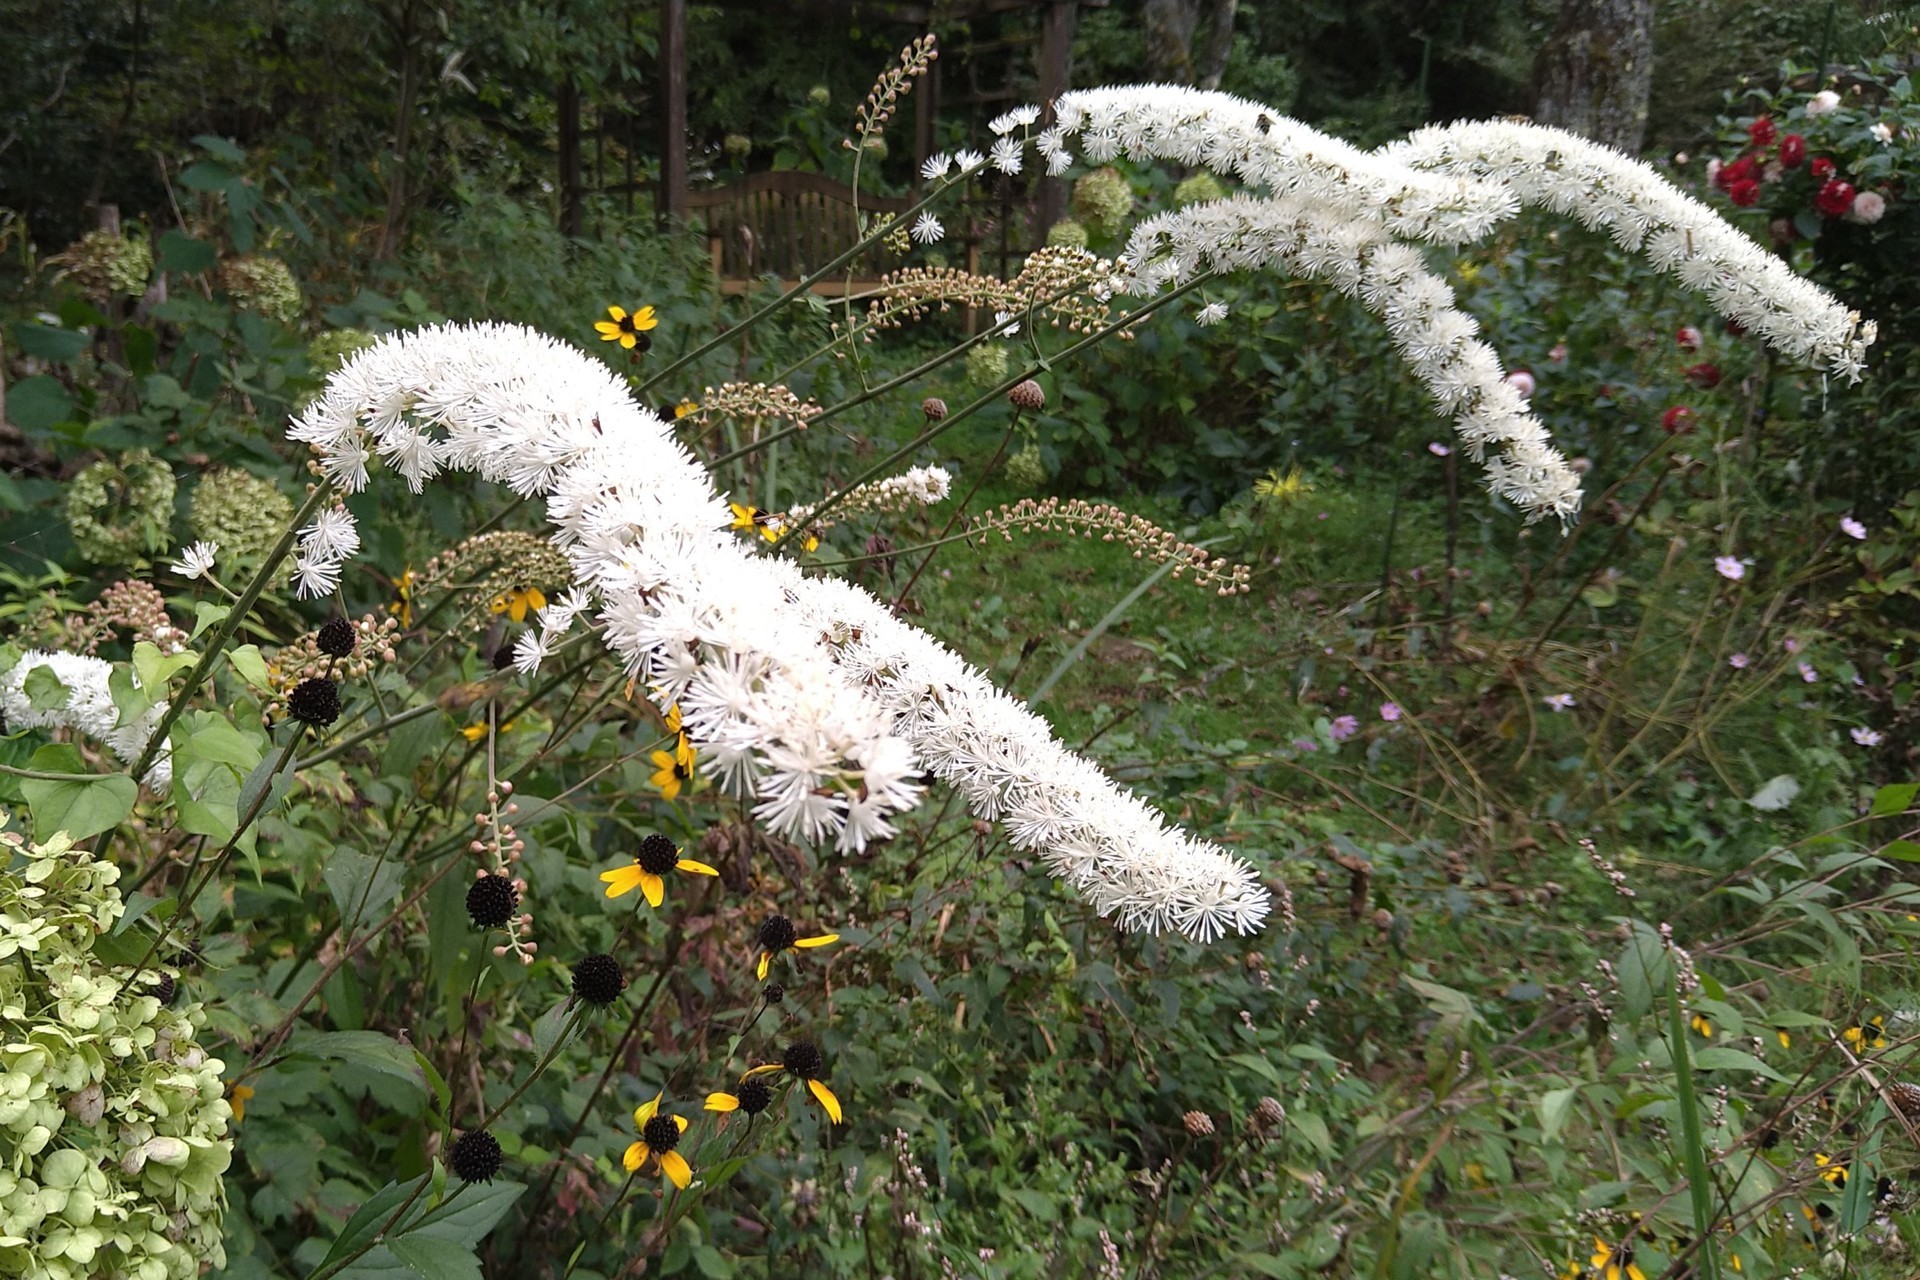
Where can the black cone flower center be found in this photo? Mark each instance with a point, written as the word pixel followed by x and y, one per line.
pixel 803 1059
pixel 598 980
pixel 657 855
pixel 755 1097
pixel 661 1134
pixel 777 933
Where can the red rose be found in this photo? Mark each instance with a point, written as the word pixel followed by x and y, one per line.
pixel 1677 421
pixel 1761 131
pixel 1793 150
pixel 1687 338
pixel 1835 198
pixel 1744 193
pixel 1704 375
pixel 1737 171
pixel 1821 168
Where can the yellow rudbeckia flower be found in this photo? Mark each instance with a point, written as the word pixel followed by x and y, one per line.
pixel 238 1100
pixel 777 934
pixel 673 770
pixel 627 330
pixel 659 1135
pixel 802 1061
pixel 1610 1263
pixel 656 858
pixel 515 603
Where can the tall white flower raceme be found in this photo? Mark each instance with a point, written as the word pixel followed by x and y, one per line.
pixel 87 709
pixel 1332 211
pixel 803 693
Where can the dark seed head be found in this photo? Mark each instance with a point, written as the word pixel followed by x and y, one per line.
pixel 773 993
pixel 503 656
pixel 661 1133
pixel 934 407
pixel 1027 395
pixel 598 980
pixel 642 343
pixel 657 855
pixel 164 988
pixel 491 900
pixel 777 933
pixel 336 638
pixel 803 1059
pixel 475 1156
pixel 755 1096
pixel 315 701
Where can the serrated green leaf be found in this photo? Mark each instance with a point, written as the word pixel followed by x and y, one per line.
pixel 81 809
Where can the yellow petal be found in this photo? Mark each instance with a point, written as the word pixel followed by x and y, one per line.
pixel 742 516
pixel 635 1157
pixel 644 318
pixel 536 597
pixel 608 331
pixel 722 1102
pixel 691 867
pixel 761 971
pixel 474 732
pixel 653 886
pixel 645 1111
pixel 1634 1272
pixel 618 313
pixel 622 880
pixel 241 1092
pixel 673 717
pixel 682 1122
pixel 826 1099
pixel 678 1171
pixel 766 1069
pixel 821 941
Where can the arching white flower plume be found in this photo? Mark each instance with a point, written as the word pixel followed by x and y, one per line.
pixel 805 694
pixel 1329 210
pixel 88 709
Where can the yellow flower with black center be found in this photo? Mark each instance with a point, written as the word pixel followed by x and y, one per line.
pixel 656 858
pixel 1282 488
pixel 1700 1024
pixel 630 331
pixel 777 934
pixel 1832 1171
pixel 659 1135
pixel 1610 1263
pixel 516 602
pixel 802 1061
pixel 684 408
pixel 402 606
pixel 673 770
pixel 1866 1037
pixel 475 732
pixel 753 1097
pixel 766 523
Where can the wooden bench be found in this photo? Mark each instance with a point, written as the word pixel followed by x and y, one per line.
pixel 786 225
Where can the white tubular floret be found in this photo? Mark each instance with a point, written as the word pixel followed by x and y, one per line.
pixel 805 694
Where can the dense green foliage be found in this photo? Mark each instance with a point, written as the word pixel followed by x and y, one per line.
pixel 1475 1047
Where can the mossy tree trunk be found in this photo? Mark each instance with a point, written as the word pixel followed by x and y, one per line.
pixel 1594 75
pixel 1173 57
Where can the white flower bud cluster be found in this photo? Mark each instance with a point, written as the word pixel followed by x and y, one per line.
pixel 89 708
pixel 915 487
pixel 803 693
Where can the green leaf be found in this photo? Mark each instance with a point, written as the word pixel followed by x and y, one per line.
pixel 220 148
pixel 44 690
pixel 252 667
pixel 366 1220
pixel 361 884
pixel 370 1050
pixel 208 614
pixel 181 252
pixel 1722 1058
pixel 61 346
pixel 39 404
pixel 207 176
pixel 1894 798
pixel 547 1029
pixel 155 668
pixel 468 1219
pixel 1036 1203
pixel 81 809
pixel 1902 851
pixel 1777 794
pixel 435 1260
pixel 1554 1107
pixel 1313 1129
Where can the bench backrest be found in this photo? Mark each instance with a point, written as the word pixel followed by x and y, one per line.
pixel 785 223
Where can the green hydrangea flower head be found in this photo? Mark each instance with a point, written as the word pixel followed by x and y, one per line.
pixel 113 1120
pixel 1067 234
pixel 242 514
pixel 1102 201
pixel 263 284
pixel 330 350
pixel 1200 187
pixel 1026 468
pixel 118 509
pixel 104 265
pixel 987 365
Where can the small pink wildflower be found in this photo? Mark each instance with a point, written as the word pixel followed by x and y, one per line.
pixel 1560 701
pixel 1807 673
pixel 1791 644
pixel 1730 567
pixel 1852 528
pixel 1305 744
pixel 1522 381
pixel 1738 662
pixel 1343 727
pixel 1559 353
pixel 1867 737
pixel 1389 711
pixel 1438 450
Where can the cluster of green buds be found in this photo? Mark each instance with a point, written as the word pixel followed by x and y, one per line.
pixel 263 284
pixel 242 515
pixel 113 1120
pixel 105 264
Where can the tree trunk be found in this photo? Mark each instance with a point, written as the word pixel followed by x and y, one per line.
pixel 1173 25
pixel 1210 59
pixel 572 202
pixel 1594 75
